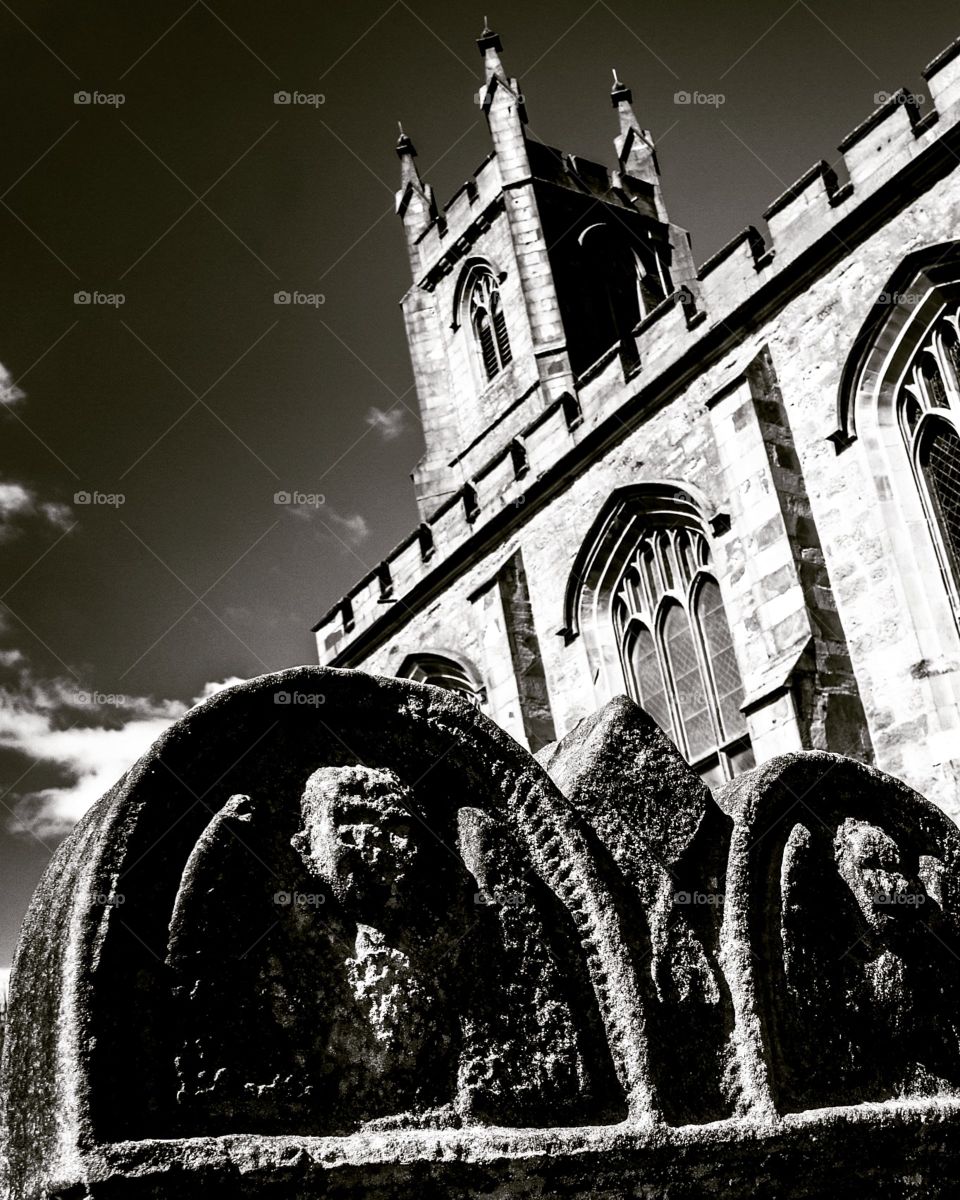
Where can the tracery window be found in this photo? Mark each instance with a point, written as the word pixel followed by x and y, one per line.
pixel 929 416
pixel 484 309
pixel 677 652
pixel 443 672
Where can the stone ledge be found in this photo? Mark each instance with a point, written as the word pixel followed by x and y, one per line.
pixel 868 1150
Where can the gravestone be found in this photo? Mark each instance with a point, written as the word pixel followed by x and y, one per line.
pixel 668 840
pixel 340 936
pixel 842 944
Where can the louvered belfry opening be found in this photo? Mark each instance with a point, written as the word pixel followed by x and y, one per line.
pixel 488 322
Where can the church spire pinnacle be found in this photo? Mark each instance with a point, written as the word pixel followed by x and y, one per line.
pixel 489 45
pixel 635 150
pixel 621 97
pixel 407 152
pixel 415 203
pixel 498 89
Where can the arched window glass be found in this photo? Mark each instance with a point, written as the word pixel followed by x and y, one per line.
pixel 929 418
pixel 676 648
pixel 691 697
pixel 723 663
pixel 938 456
pixel 647 678
pixel 500 328
pixel 685 556
pixel 486 318
pixel 665 557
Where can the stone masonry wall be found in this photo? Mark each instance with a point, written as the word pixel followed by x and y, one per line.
pixel 811 552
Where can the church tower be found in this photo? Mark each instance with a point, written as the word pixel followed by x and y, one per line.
pixel 536 270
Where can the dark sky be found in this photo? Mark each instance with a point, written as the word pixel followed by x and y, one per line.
pixel 197 399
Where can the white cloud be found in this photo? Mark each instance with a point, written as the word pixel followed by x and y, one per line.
pixel 15 500
pixel 211 689
pixel 389 423
pixel 352 528
pixel 9 392
pixel 90 739
pixel 19 503
pixel 355 528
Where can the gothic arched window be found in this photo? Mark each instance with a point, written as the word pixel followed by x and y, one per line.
pixel 484 312
pixel 899 396
pixel 677 651
pixel 443 672
pixel 644 595
pixel 929 416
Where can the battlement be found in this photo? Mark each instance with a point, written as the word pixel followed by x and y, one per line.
pixel 460 212
pixel 896 153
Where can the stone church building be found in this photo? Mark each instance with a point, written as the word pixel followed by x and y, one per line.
pixel 730 490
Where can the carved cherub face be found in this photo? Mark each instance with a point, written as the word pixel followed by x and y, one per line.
pixel 870 863
pixel 358 836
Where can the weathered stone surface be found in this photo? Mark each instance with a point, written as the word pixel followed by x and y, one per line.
pixel 841 937
pixel 653 815
pixel 894 1152
pixel 641 797
pixel 338 936
pixel 367 969
pixel 323 900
